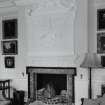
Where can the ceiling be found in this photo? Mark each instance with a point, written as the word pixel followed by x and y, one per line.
pixel 3 0
pixel 10 3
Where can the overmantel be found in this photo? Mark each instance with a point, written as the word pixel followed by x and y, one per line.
pixel 51 70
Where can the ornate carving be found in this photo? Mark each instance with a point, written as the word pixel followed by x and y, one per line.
pixel 52 6
pixel 67 3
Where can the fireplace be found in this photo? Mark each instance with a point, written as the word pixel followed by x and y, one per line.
pixel 51 84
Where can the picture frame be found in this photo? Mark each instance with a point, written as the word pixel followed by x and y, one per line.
pixel 102 89
pixel 9 28
pixel 101 42
pixel 9 62
pixel 101 19
pixel 103 61
pixel 9 47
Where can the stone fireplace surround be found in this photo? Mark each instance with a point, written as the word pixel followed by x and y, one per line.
pixel 32 72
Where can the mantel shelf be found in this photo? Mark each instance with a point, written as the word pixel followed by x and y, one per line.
pixel 52 70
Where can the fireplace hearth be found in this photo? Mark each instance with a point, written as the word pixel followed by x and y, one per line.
pixel 51 85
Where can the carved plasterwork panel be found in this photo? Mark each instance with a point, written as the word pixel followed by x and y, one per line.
pixel 50 27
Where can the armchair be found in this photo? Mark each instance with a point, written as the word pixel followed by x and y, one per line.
pixel 97 101
pixel 86 101
pixel 3 100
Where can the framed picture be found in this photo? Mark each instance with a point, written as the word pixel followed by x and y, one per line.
pixel 103 61
pixel 101 19
pixel 101 42
pixel 9 62
pixel 9 47
pixel 9 28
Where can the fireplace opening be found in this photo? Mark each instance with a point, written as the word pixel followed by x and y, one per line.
pixel 55 81
pixel 51 85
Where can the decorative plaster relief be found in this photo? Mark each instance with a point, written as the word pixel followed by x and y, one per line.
pixel 99 1
pixel 51 6
pixel 55 3
pixel 4 4
pixel 51 31
pixel 46 3
pixel 41 4
pixel 67 3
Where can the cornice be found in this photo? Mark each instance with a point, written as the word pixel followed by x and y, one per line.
pixel 99 3
pixel 40 6
pixel 64 3
pixel 6 3
pixel 14 3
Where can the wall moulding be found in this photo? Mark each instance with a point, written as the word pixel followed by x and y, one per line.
pixel 39 3
pixel 51 6
pixel 65 3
